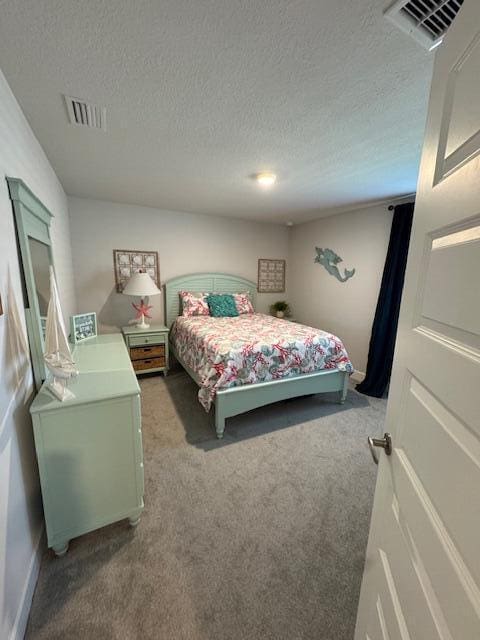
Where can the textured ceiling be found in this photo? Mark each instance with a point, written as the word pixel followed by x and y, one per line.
pixel 200 94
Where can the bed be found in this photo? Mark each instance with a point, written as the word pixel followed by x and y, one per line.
pixel 247 362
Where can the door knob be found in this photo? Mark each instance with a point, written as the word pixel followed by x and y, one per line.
pixel 384 443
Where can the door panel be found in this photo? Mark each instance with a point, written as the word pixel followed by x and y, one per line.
pixel 460 124
pixel 453 273
pixel 457 450
pixel 422 569
pixel 377 629
pixel 390 608
pixel 449 368
pixel 409 575
pixel 448 570
pixel 465 114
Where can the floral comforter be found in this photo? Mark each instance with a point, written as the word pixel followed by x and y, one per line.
pixel 228 352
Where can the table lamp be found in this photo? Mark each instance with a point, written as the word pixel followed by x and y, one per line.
pixel 141 284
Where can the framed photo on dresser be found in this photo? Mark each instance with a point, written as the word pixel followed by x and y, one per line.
pixel 83 326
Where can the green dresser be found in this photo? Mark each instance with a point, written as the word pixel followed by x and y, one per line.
pixel 89 449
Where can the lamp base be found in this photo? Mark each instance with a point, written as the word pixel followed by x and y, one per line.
pixel 142 324
pixel 142 310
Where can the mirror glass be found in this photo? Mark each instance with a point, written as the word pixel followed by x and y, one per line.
pixel 40 255
pixel 32 220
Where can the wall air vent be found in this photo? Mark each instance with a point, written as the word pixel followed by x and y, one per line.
pixel 426 21
pixel 83 114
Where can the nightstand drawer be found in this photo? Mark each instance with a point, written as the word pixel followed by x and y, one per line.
pixel 140 341
pixel 155 351
pixel 149 363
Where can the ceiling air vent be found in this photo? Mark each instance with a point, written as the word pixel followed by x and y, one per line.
pixel 83 114
pixel 426 21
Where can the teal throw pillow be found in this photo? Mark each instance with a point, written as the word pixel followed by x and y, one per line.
pixel 222 305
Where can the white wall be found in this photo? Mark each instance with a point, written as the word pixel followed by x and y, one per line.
pixel 346 309
pixel 189 243
pixel 20 506
pixel 186 243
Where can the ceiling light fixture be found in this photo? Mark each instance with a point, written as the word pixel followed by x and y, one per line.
pixel 266 178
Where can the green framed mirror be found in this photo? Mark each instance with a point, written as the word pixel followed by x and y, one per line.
pixel 32 222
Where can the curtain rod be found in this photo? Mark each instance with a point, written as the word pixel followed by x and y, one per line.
pixel 391 207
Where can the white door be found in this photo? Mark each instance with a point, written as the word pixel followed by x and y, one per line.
pixel 422 572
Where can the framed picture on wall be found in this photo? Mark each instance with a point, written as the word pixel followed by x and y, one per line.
pixel 271 275
pixel 83 327
pixel 126 262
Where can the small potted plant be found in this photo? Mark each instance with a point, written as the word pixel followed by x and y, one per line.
pixel 280 309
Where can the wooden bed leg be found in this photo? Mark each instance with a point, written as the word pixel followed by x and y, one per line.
pixel 343 392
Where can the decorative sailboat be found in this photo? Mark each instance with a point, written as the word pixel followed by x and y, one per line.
pixel 57 356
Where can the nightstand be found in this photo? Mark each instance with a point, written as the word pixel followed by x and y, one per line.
pixel 148 348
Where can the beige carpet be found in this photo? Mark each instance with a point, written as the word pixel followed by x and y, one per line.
pixel 259 536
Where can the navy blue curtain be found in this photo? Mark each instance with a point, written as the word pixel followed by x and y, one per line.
pixel 384 329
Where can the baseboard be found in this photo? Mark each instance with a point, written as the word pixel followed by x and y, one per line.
pixel 21 619
pixel 357 376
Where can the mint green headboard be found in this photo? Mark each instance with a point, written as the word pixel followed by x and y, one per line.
pixel 212 282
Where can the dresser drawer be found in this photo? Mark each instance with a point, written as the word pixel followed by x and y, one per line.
pixel 148 363
pixel 155 351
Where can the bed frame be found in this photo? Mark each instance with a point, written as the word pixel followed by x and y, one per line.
pixel 233 401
